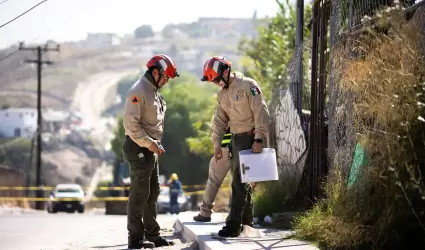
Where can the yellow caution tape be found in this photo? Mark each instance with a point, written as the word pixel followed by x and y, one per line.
pixel 109 198
pixel 47 188
pixel 62 199
pixel 25 188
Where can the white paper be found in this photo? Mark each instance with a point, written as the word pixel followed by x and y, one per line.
pixel 258 167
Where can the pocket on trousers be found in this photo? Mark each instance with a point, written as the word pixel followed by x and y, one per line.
pixel 132 153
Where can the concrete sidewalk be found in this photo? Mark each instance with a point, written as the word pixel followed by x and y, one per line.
pixel 205 234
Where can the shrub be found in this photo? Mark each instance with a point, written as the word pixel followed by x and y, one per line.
pixel 385 208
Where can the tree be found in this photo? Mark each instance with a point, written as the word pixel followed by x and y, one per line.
pixel 187 101
pixel 143 31
pixel 267 57
pixel 118 140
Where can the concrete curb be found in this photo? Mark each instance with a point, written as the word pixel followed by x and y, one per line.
pixel 204 235
pixel 205 242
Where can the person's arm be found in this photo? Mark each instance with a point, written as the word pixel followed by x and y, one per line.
pixel 259 110
pixel 219 124
pixel 133 113
pixel 180 188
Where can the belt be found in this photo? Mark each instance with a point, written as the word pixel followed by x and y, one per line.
pixel 128 137
pixel 251 132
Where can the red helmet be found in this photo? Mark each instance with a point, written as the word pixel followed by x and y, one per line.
pixel 165 65
pixel 214 67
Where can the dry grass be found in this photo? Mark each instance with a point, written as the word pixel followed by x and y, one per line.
pixel 385 209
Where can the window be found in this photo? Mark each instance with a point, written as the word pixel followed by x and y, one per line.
pixel 17 132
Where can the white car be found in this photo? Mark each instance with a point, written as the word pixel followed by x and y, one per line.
pixel 66 197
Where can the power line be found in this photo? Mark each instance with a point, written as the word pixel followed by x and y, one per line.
pixel 4 1
pixel 4 58
pixel 51 27
pixel 22 13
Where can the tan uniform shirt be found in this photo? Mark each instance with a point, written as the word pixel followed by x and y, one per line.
pixel 144 111
pixel 242 107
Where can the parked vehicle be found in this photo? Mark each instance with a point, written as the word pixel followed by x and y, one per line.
pixel 66 197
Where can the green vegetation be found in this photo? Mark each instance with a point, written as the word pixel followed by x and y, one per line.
pixel 15 152
pixel 385 206
pixel 266 60
pixel 191 105
pixel 267 57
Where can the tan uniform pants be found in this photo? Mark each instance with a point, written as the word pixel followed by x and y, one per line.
pixel 217 172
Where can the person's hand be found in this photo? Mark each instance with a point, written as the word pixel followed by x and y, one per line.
pixel 253 184
pixel 218 154
pixel 257 147
pixel 156 149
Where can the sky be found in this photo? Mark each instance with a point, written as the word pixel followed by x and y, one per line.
pixel 71 20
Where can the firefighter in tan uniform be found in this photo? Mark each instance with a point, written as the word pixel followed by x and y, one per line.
pixel 143 122
pixel 216 173
pixel 241 106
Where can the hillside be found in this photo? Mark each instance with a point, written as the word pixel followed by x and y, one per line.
pixel 72 65
pixel 82 80
pixel 101 52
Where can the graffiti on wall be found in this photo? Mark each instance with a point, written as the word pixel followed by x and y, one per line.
pixel 290 143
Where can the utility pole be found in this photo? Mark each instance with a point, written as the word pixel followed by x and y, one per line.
pixel 39 61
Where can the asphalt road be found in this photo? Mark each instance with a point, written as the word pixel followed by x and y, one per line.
pixel 90 100
pixel 92 230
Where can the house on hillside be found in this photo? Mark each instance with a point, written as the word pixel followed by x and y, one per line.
pixel 234 27
pixel 18 122
pixel 189 60
pixel 101 40
pixel 22 122
pixel 54 120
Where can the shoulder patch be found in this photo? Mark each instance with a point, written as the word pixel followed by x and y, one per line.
pixel 255 90
pixel 135 100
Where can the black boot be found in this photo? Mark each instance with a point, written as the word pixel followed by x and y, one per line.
pixel 201 218
pixel 228 232
pixel 139 244
pixel 161 242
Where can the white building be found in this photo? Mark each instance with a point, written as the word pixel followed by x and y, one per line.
pixel 18 122
pixel 101 40
pixel 22 122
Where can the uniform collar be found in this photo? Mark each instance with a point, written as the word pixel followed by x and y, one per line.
pixel 147 79
pixel 234 81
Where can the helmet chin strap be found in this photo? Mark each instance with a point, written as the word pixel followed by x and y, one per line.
pixel 156 83
pixel 226 83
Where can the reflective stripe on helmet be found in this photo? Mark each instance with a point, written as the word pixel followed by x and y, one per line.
pixel 163 64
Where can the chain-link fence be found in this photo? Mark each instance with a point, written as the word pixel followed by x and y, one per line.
pixel 354 25
pixel 314 116
pixel 290 113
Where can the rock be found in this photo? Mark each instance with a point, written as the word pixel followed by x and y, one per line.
pixel 284 220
